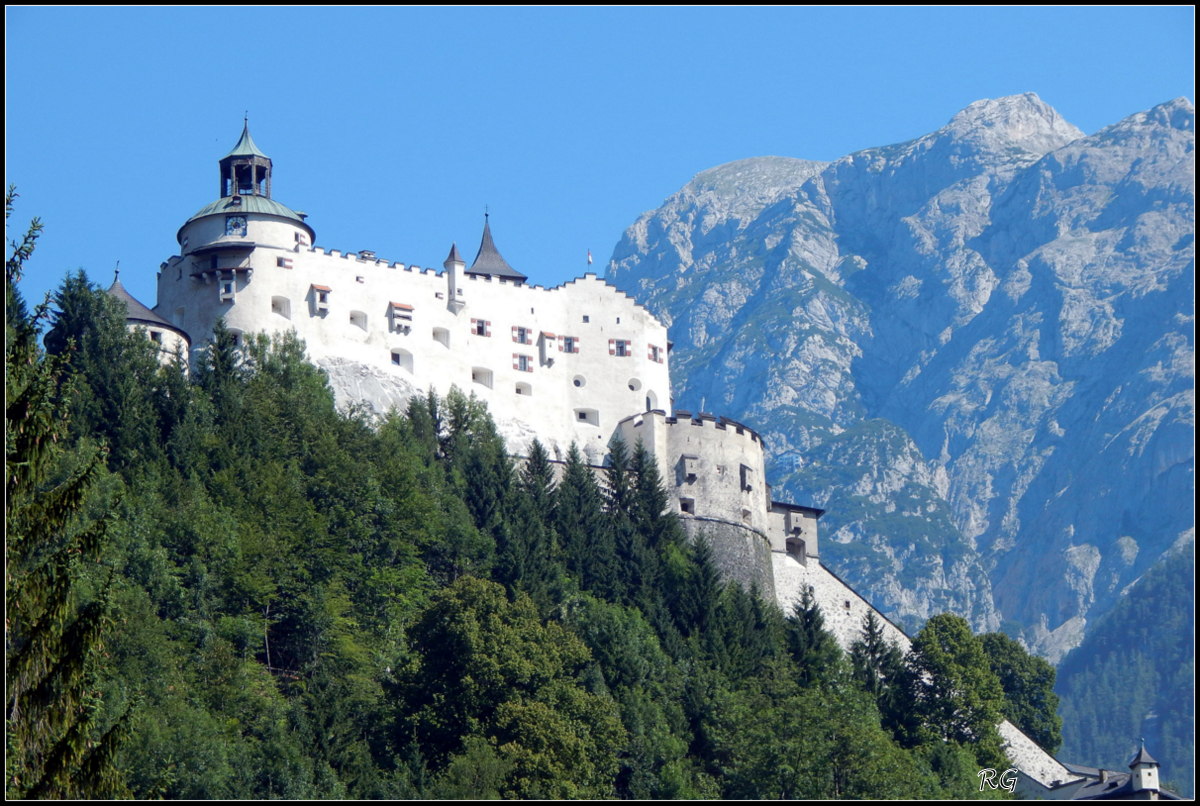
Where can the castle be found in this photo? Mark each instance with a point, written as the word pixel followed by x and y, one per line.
pixel 578 363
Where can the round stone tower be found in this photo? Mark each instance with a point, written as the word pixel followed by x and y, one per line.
pixel 713 467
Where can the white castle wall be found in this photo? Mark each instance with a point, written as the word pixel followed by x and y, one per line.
pixel 529 380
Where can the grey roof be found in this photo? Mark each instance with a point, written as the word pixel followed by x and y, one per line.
pixel 248 204
pixel 1143 757
pixel 136 311
pixel 489 260
pixel 246 146
pixel 453 256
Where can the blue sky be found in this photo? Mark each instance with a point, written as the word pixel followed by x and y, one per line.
pixel 393 128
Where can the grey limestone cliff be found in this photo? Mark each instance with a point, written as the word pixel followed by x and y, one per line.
pixel 974 349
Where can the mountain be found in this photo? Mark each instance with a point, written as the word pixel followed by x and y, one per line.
pixel 975 349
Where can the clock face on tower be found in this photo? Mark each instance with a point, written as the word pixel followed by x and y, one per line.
pixel 235 225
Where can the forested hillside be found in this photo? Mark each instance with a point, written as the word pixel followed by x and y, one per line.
pixel 221 587
pixel 1143 656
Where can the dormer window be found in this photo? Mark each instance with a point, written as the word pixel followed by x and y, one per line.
pixel 320 298
pixel 401 317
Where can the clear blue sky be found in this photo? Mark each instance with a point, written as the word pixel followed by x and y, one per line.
pixel 394 127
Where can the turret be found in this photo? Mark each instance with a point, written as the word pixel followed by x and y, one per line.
pixel 245 170
pixel 454 265
pixel 1145 773
pixel 490 263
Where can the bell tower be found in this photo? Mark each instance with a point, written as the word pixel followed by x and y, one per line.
pixel 246 171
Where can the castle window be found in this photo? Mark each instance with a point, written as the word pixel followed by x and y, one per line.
pixel 402 359
pixel 747 478
pixel 441 336
pixel 320 297
pixel 524 389
pixel 281 306
pixel 522 335
pixel 283 262
pixel 687 505
pixel 568 344
pixel 745 516
pixel 620 347
pixel 586 319
pixel 301 239
pixel 358 319
pixel 481 376
pixel 401 317
pixel 522 363
pixel 797 550
pixel 227 289
pixel 358 278
pixel 156 336
pixel 589 416
pixel 481 327
pixel 579 381
pixel 656 353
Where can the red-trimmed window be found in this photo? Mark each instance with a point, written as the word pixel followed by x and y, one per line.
pixel 568 344
pixel 655 353
pixel 522 335
pixel 283 262
pixel 481 327
pixel 522 363
pixel 620 347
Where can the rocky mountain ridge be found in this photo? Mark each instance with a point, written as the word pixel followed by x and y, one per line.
pixel 975 349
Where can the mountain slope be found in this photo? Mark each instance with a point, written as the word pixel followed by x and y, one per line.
pixel 974 348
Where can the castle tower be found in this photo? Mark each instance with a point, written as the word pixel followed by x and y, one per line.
pixel 166 336
pixel 222 245
pixel 1145 774
pixel 490 263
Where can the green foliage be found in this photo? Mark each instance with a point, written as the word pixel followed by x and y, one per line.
pixel 1142 654
pixel 956 696
pixel 58 742
pixel 1028 682
pixel 490 668
pixel 307 604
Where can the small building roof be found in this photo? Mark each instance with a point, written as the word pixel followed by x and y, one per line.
pixel 246 147
pixel 489 261
pixel 136 311
pixel 1143 757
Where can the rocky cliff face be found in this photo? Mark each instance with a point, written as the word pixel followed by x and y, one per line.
pixel 975 349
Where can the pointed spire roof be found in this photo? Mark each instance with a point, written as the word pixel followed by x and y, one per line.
pixel 489 261
pixel 1143 757
pixel 134 310
pixel 453 256
pixel 246 146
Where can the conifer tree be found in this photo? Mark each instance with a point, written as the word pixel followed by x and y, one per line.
pixel 54 746
pixel 587 546
pixel 815 651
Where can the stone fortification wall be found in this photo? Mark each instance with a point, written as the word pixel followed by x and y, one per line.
pixel 565 363
pixel 713 469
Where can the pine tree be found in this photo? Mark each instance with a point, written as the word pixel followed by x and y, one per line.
pixel 815 651
pixel 55 748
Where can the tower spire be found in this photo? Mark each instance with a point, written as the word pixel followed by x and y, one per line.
pixel 246 170
pixel 489 261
